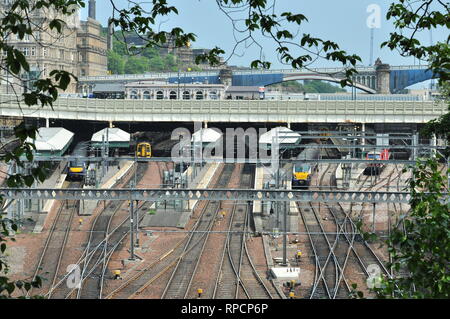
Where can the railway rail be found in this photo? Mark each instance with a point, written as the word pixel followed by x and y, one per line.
pixel 237 275
pixel 101 243
pixel 142 280
pixel 184 270
pixel 54 246
pixel 352 245
pixel 95 267
pixel 334 252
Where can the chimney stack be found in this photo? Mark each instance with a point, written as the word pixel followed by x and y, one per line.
pixel 92 9
pixel 110 34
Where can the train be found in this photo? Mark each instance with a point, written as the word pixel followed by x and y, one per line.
pixel 76 169
pixel 301 172
pixel 144 149
pixel 376 169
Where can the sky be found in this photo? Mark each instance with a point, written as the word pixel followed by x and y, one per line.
pixel 343 21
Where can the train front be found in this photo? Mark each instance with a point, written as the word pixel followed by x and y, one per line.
pixel 76 170
pixel 301 176
pixel 376 169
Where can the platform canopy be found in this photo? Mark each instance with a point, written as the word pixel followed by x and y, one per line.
pixel 281 135
pixel 52 141
pixel 206 135
pixel 115 136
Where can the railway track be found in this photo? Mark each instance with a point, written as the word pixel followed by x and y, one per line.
pixel 146 277
pixel 333 253
pixel 237 276
pixel 102 242
pixel 54 246
pixel 326 271
pixel 351 248
pixel 325 266
pixel 184 270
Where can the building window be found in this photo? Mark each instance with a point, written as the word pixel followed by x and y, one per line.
pixel 173 95
pixel 44 51
pixel 186 95
pixel 199 95
pixel 213 95
pixel 159 95
pixel 61 54
pixel 33 51
pixel 146 95
pixel 83 72
pixel 133 95
pixel 25 51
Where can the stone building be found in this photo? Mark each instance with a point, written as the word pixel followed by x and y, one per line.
pixel 79 49
pixel 147 90
pixel 92 47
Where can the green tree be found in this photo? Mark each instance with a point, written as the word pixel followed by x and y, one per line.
pixel 422 248
pixel 116 63
pixel 410 19
pixel 256 16
pixel 136 64
pixel 321 87
pixel 171 63
pixel 420 244
pixel 150 52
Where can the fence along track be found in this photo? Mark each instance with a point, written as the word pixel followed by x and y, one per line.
pixel 54 246
pixel 182 275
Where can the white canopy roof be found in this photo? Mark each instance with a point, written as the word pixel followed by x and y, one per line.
pixel 51 138
pixel 206 135
pixel 115 134
pixel 280 134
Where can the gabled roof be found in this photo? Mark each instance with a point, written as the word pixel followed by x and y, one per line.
pixel 284 134
pixel 52 138
pixel 206 135
pixel 114 134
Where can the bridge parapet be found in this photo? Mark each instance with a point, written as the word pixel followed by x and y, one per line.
pixel 231 110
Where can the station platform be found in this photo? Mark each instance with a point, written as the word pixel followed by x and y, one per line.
pixel 356 170
pixel 263 220
pixel 168 216
pixel 112 177
pixel 56 180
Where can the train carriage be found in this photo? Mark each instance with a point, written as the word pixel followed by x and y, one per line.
pixel 376 169
pixel 144 149
pixel 302 172
pixel 76 169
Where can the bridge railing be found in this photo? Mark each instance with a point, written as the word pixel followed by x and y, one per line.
pixel 229 110
pixel 166 75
